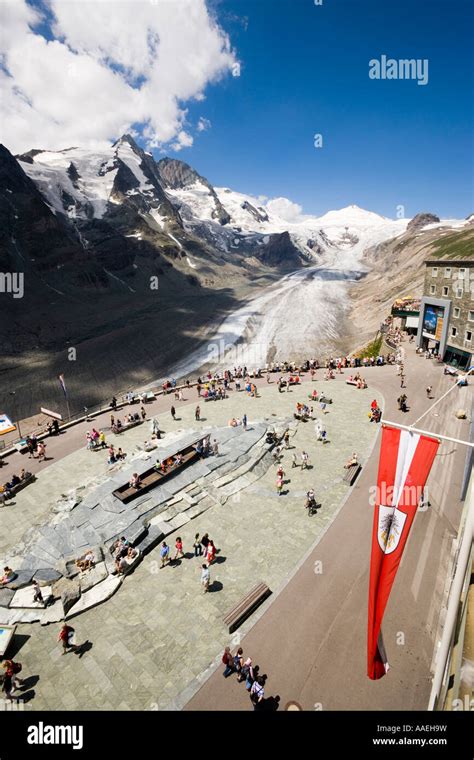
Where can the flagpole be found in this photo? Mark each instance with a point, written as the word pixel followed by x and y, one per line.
pixel 426 432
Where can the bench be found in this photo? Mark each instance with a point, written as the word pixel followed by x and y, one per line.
pixel 352 473
pixel 246 606
pixel 126 426
pixel 11 493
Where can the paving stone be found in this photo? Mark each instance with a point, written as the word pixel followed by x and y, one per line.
pixel 95 596
pixel 23 578
pixel 12 617
pixel 179 520
pixel 46 575
pixel 54 613
pixel 6 595
pixel 93 576
pixel 152 539
pixel 24 598
pixel 67 590
pixel 164 527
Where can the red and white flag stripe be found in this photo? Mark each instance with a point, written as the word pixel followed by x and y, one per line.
pixel 405 462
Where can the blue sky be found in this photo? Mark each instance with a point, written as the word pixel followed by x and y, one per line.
pixel 305 71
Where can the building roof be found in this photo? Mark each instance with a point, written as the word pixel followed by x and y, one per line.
pixel 448 262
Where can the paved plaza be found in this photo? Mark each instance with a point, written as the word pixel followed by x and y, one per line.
pixel 158 638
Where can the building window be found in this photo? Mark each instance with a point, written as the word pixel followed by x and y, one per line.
pixel 454 331
pixel 447 272
pixel 445 291
pixel 461 274
pixel 432 289
pixel 459 292
pixel 468 336
pixel 434 272
pixel 457 312
pixel 471 316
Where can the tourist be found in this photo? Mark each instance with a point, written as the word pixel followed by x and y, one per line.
pixel 134 481
pixel 111 455
pixel 293 461
pixel 244 421
pixel 113 404
pixel 351 461
pixel 205 578
pixel 322 405
pixel 246 672
pixel 143 413
pixel 205 542
pixel 179 548
pixel 257 693
pixel 120 454
pixel 374 404
pixel 197 413
pixel 41 451
pixel 112 421
pixel 228 661
pixel 7 686
pixel 197 546
pixel 280 472
pixel 428 391
pixel 8 575
pixel 38 596
pixel 173 412
pixel 239 660
pixel 102 441
pixel 86 562
pixel 66 637
pixel 215 448
pixel 30 446
pixel 210 552
pixel 279 486
pixel 164 554
pixel 286 439
pixel 11 671
pixel 304 460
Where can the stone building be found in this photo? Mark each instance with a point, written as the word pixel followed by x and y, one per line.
pixel 447 310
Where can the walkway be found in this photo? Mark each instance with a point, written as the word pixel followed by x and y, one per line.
pixel 311 642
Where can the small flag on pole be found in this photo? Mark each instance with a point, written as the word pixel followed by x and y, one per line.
pixel 405 462
pixel 63 385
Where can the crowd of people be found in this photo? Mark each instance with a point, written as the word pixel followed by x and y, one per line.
pixel 248 674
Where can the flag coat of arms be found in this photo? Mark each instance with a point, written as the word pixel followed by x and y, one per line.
pixel 63 385
pixel 405 462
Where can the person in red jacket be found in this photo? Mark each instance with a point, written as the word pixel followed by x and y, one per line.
pixel 66 634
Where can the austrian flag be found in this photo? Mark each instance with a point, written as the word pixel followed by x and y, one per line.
pixel 405 463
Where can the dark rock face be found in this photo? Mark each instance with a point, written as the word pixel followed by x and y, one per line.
pixel 178 175
pixel 420 220
pixel 279 251
pixel 259 216
pixel 29 230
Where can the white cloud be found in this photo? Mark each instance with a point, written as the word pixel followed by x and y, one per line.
pixel 203 124
pixel 184 140
pixel 285 209
pixel 113 64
